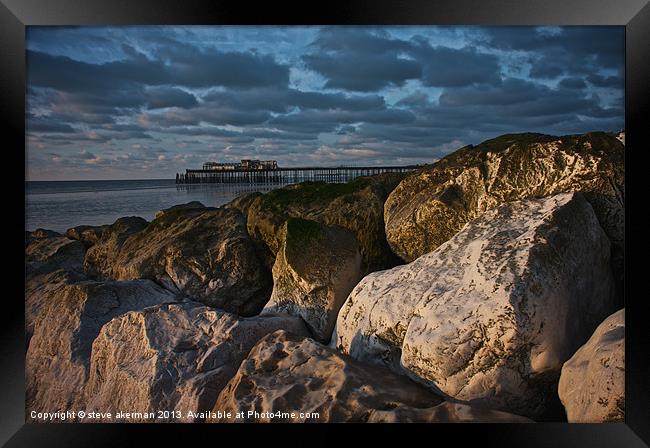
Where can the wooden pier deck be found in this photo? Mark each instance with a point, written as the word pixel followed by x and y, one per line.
pixel 286 175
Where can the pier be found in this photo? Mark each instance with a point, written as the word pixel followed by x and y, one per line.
pixel 278 175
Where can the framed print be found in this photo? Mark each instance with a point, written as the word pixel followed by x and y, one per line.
pixel 404 216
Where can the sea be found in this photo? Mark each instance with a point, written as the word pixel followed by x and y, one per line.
pixel 59 205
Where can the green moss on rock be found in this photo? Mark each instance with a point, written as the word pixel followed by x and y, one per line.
pixel 357 206
pixel 309 192
pixel 303 232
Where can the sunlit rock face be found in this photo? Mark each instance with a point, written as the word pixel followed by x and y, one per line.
pixel 296 374
pixel 41 289
pixel 48 251
pixel 51 262
pixel 58 358
pixel 315 269
pixel 174 357
pixel 286 372
pixel 101 258
pixel 203 253
pixel 592 384
pixel 490 316
pixel 429 207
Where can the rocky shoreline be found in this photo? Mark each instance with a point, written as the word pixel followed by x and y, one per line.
pixel 486 287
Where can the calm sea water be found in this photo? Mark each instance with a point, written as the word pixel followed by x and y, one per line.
pixel 64 204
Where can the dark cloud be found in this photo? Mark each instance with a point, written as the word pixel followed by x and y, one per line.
pixel 511 91
pixel 449 67
pixel 363 73
pixel 606 81
pixel 280 135
pixel 358 40
pixel 363 60
pixel 209 131
pixel 281 100
pixel 45 124
pixel 161 97
pixel 188 66
pixel 416 99
pixel 573 83
pixel 547 69
pixel 566 50
pixel 195 67
pixel 330 120
pixel 205 113
pixel 520 98
pixel 69 75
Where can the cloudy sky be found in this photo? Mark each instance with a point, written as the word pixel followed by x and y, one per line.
pixel 147 102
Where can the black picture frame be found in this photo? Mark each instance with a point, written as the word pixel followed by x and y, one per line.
pixel 15 15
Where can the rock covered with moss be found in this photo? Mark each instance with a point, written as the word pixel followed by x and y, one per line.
pixel 490 316
pixel 357 206
pixel 204 253
pixel 173 357
pixel 315 269
pixel 429 207
pixel 592 384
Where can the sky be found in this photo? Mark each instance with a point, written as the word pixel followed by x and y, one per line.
pixel 148 102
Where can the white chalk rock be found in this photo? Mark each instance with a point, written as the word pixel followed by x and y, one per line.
pixel 58 358
pixel 490 316
pixel 592 383
pixel 172 357
pixel 315 269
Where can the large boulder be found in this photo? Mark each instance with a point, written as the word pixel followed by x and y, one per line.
pixel 41 289
pixel 289 373
pixel 58 358
pixel 47 251
pixel 427 208
pixel 88 235
pixel 592 384
pixel 286 373
pixel 51 261
pixel 490 316
pixel 173 357
pixel 204 253
pixel 315 269
pixel 101 257
pixel 357 206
